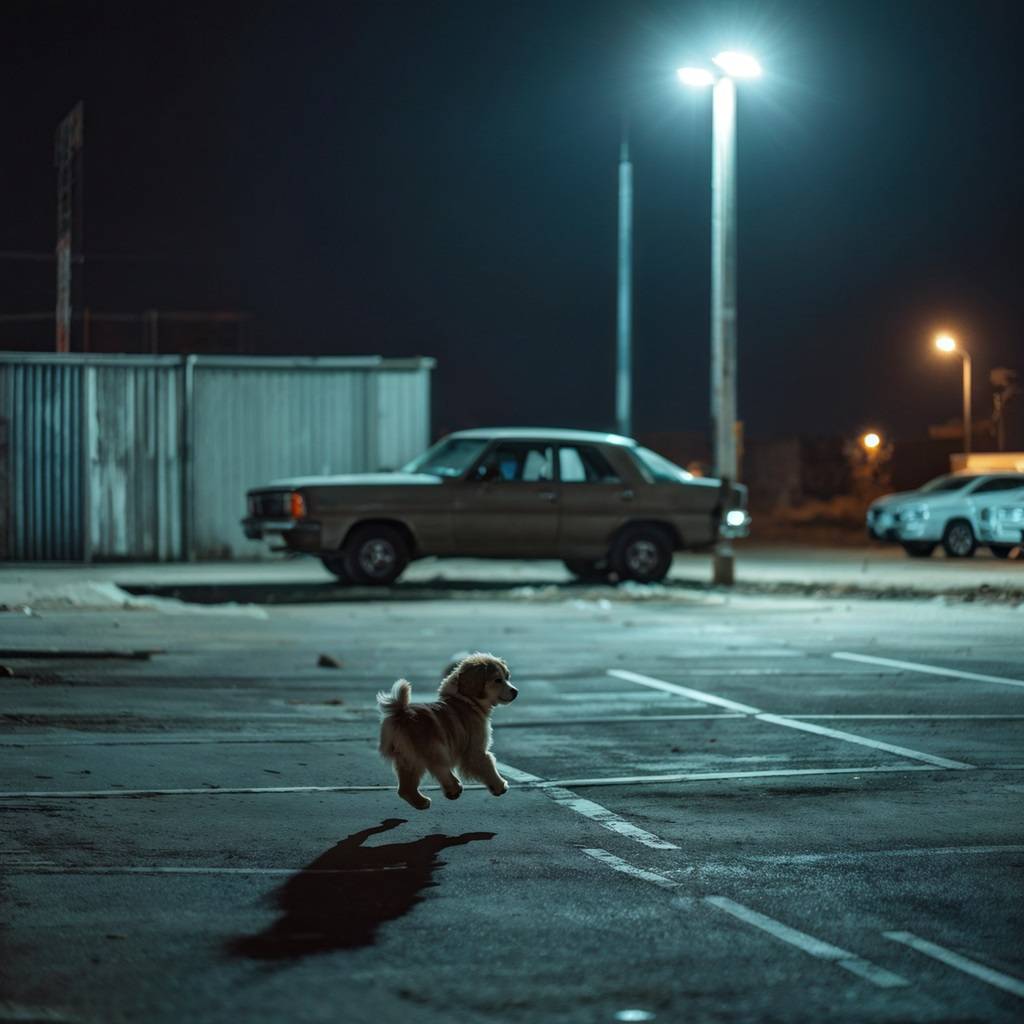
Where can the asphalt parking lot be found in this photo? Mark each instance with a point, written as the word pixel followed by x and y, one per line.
pixel 756 807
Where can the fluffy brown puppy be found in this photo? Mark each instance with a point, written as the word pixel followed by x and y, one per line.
pixel 453 731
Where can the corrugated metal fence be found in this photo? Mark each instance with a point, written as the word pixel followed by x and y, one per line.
pixel 139 457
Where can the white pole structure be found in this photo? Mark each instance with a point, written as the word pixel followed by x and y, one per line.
pixel 968 430
pixel 733 65
pixel 624 310
pixel 723 305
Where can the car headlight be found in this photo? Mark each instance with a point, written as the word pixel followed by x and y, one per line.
pixel 914 513
pixel 1010 514
pixel 735 517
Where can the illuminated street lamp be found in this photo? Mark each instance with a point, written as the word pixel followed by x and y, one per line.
pixel 871 441
pixel 947 343
pixel 732 65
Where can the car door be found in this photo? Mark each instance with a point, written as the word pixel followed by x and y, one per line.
pixel 983 493
pixel 507 506
pixel 593 498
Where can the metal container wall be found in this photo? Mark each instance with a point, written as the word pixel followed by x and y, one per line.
pixel 41 460
pixel 149 458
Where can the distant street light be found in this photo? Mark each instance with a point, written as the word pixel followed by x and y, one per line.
pixel 871 440
pixel 723 270
pixel 947 343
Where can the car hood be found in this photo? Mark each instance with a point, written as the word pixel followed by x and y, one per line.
pixel 889 501
pixel 357 480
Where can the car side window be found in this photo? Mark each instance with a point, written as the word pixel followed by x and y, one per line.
pixel 584 464
pixel 517 462
pixel 999 483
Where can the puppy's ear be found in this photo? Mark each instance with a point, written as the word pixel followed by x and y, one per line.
pixel 472 679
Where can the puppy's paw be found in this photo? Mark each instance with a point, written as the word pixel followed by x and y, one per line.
pixel 417 800
pixel 501 789
pixel 454 792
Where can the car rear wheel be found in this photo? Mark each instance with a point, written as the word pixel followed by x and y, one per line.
pixel 1001 550
pixel 590 570
pixel 919 548
pixel 376 555
pixel 643 554
pixel 958 539
pixel 335 564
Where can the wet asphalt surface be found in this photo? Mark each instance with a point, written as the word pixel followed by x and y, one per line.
pixel 712 817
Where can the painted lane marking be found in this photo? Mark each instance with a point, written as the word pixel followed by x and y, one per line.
pixel 627 869
pixel 933 670
pixel 801 940
pixel 611 720
pixel 788 723
pixel 907 851
pixel 766 773
pixel 961 963
pixel 602 815
pixel 156 869
pixel 809 944
pixel 863 741
pixel 632 695
pixel 516 776
pixel 922 718
pixel 683 691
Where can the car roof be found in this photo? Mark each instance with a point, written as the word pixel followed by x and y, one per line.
pixel 544 433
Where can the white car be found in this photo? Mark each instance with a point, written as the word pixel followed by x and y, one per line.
pixel 947 511
pixel 1001 524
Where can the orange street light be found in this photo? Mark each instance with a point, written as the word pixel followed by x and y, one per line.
pixel 947 343
pixel 871 440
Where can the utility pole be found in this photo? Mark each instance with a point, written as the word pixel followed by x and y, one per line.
pixel 723 305
pixel 624 311
pixel 68 160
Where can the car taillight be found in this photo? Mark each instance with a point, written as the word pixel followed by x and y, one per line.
pixel 297 506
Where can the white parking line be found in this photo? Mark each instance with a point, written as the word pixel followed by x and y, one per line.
pixel 809 944
pixel 789 723
pixel 627 869
pixel 932 670
pixel 863 741
pixel 905 851
pixel 609 720
pixel 986 974
pixel 157 869
pixel 767 773
pixel 683 691
pixel 801 940
pixel 896 718
pixel 602 815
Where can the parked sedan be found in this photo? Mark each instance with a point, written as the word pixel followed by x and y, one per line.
pixel 603 504
pixel 945 511
pixel 1001 523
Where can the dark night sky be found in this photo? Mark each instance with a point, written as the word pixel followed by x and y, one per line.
pixel 439 178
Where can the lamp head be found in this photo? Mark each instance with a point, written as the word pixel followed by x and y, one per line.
pixel 871 440
pixel 945 343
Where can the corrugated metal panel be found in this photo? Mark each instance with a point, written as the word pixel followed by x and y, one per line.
pixel 150 457
pixel 134 482
pixel 40 405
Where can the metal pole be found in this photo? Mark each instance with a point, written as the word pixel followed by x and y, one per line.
pixel 967 403
pixel 624 314
pixel 723 304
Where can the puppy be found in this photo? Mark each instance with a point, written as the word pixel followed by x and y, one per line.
pixel 453 731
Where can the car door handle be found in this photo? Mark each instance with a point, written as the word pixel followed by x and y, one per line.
pixel 627 495
pixel 547 495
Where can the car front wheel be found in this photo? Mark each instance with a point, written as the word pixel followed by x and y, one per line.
pixel 918 548
pixel 958 539
pixel 376 555
pixel 643 554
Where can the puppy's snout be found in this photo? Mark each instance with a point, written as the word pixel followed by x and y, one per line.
pixel 512 692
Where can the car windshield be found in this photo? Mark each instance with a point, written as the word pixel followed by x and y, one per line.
pixel 946 483
pixel 450 457
pixel 659 468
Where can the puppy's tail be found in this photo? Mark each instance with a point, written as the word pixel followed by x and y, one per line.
pixel 396 703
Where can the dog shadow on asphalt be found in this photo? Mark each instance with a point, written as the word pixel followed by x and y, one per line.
pixel 340 899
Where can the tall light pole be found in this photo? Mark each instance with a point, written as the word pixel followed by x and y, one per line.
pixel 624 309
pixel 733 65
pixel 947 343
